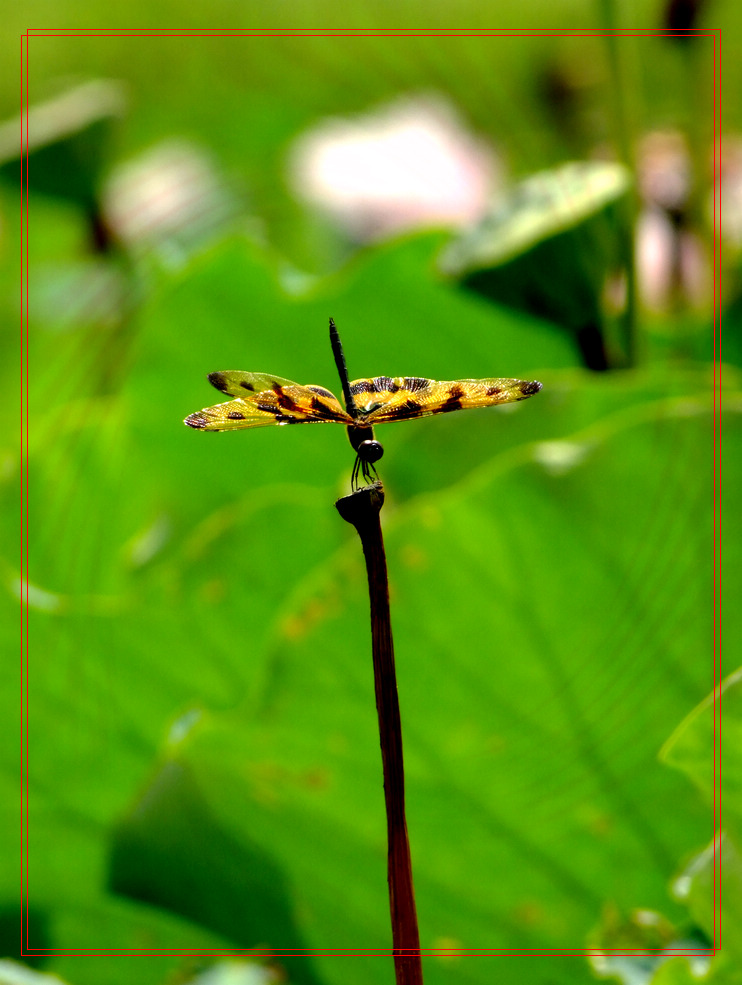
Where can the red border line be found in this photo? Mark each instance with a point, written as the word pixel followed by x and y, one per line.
pixel 715 35
pixel 469 952
pixel 716 881
pixel 375 34
pixel 388 32
pixel 24 477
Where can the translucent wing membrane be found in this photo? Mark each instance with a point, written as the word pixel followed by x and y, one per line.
pixel 237 383
pixel 403 398
pixel 262 399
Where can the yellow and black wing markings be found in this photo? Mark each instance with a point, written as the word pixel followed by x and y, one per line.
pixel 261 399
pixel 385 399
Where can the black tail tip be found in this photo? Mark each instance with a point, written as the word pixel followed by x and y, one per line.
pixel 528 389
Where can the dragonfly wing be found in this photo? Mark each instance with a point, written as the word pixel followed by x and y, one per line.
pixel 237 383
pixel 407 397
pixel 288 403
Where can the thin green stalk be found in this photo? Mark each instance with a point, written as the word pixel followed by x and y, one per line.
pixel 622 116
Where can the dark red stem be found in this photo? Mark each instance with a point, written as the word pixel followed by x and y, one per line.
pixel 362 509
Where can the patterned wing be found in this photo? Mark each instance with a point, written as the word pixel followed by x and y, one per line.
pixel 237 383
pixel 403 398
pixel 262 399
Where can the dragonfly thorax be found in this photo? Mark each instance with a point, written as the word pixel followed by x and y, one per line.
pixel 367 450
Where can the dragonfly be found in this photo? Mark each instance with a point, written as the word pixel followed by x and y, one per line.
pixel 260 399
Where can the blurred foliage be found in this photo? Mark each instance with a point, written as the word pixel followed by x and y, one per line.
pixel 202 750
pixel 710 885
pixel 549 250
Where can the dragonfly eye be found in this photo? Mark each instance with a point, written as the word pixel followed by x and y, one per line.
pixel 370 451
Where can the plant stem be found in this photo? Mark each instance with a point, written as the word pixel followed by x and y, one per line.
pixel 623 115
pixel 362 509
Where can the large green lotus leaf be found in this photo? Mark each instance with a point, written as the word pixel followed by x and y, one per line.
pixel 138 532
pixel 551 620
pixel 178 577
pixel 78 779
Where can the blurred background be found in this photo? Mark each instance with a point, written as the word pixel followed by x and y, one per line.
pixel 203 760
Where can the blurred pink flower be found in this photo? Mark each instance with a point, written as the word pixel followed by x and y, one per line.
pixel 670 258
pixel 411 163
pixel 729 190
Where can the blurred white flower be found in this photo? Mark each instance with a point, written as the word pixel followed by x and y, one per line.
pixel 171 192
pixel 411 163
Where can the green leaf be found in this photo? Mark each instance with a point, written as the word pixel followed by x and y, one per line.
pixel 68 141
pixel 549 246
pixel 711 887
pixel 539 208
pixel 549 604
pixel 174 853
pixel 716 723
pixel 531 717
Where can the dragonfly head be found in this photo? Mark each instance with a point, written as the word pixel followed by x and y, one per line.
pixel 369 451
